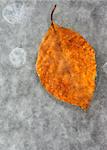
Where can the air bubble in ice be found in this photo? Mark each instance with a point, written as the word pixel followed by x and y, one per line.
pixel 17 57
pixel 14 13
pixel 105 67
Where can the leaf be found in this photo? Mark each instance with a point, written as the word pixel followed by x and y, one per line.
pixel 66 66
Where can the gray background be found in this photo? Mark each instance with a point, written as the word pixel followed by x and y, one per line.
pixel 30 118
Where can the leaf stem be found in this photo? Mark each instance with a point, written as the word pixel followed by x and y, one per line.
pixel 52 13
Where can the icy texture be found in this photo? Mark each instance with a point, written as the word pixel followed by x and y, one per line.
pixel 30 118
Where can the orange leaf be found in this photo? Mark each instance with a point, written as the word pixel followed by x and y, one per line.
pixel 66 66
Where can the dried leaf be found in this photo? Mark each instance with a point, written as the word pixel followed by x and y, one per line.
pixel 66 66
